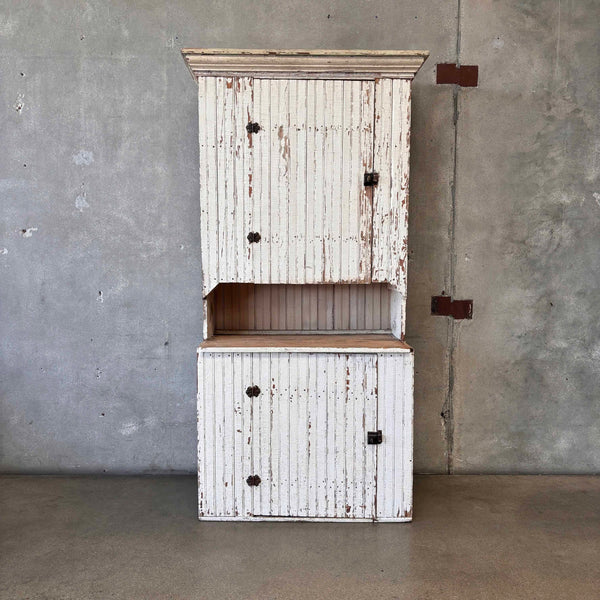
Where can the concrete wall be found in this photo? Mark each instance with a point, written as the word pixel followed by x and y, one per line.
pixel 99 236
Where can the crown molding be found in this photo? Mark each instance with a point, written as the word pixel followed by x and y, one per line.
pixel 304 64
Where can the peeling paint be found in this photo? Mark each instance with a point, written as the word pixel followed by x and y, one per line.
pixel 27 233
pixel 3 251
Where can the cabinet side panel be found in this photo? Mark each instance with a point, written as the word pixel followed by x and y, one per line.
pixel 390 196
pixel 394 455
pixel 209 215
pixel 206 436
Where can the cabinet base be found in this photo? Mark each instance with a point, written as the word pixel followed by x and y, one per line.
pixel 306 519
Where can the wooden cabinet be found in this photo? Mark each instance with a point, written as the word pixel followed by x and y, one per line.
pixel 304 206
pixel 300 420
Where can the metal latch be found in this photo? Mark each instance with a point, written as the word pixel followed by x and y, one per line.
pixel 253 237
pixel 253 128
pixel 374 437
pixel 371 179
pixel 252 390
pixel 253 480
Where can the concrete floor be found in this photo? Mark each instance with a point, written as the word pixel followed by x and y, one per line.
pixel 478 537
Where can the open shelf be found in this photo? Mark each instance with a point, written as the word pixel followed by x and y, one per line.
pixel 248 309
pixel 306 342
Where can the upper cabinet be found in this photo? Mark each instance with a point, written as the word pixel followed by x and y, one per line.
pixel 304 165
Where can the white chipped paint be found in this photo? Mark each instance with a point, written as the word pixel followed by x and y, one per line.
pixel 3 251
pixel 597 197
pixel 28 232
pixel 83 158
pixel 81 202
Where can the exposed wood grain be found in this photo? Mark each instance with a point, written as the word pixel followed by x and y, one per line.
pixel 297 343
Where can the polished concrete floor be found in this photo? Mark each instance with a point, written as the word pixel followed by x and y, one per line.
pixel 477 537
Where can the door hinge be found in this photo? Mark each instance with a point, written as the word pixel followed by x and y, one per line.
pixel 374 437
pixel 371 179
pixel 446 307
pixel 253 128
pixel 253 480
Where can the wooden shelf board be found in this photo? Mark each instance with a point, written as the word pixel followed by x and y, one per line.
pixel 346 343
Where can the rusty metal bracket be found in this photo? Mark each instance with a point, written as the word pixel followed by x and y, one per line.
pixel 446 307
pixel 463 75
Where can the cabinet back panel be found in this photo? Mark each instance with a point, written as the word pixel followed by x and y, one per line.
pixel 252 307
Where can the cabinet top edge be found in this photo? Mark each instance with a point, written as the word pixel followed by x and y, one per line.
pixel 371 64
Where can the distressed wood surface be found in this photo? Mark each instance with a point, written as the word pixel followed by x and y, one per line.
pixel 395 454
pixel 297 64
pixel 298 181
pixel 390 197
pixel 305 436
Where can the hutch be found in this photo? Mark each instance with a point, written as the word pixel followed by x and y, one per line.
pixel 305 383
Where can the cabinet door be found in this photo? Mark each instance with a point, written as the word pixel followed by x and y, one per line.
pixel 298 181
pixel 310 435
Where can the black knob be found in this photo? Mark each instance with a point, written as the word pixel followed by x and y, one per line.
pixel 252 390
pixel 253 128
pixel 253 237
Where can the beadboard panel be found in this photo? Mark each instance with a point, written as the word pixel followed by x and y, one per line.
pixel 395 454
pixel 305 436
pixel 298 181
pixel 390 197
pixel 250 307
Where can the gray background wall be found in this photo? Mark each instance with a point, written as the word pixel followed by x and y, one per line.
pixel 99 237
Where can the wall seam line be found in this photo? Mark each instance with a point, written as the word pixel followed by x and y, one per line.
pixel 448 408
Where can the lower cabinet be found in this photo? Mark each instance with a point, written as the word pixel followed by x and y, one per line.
pixel 300 435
